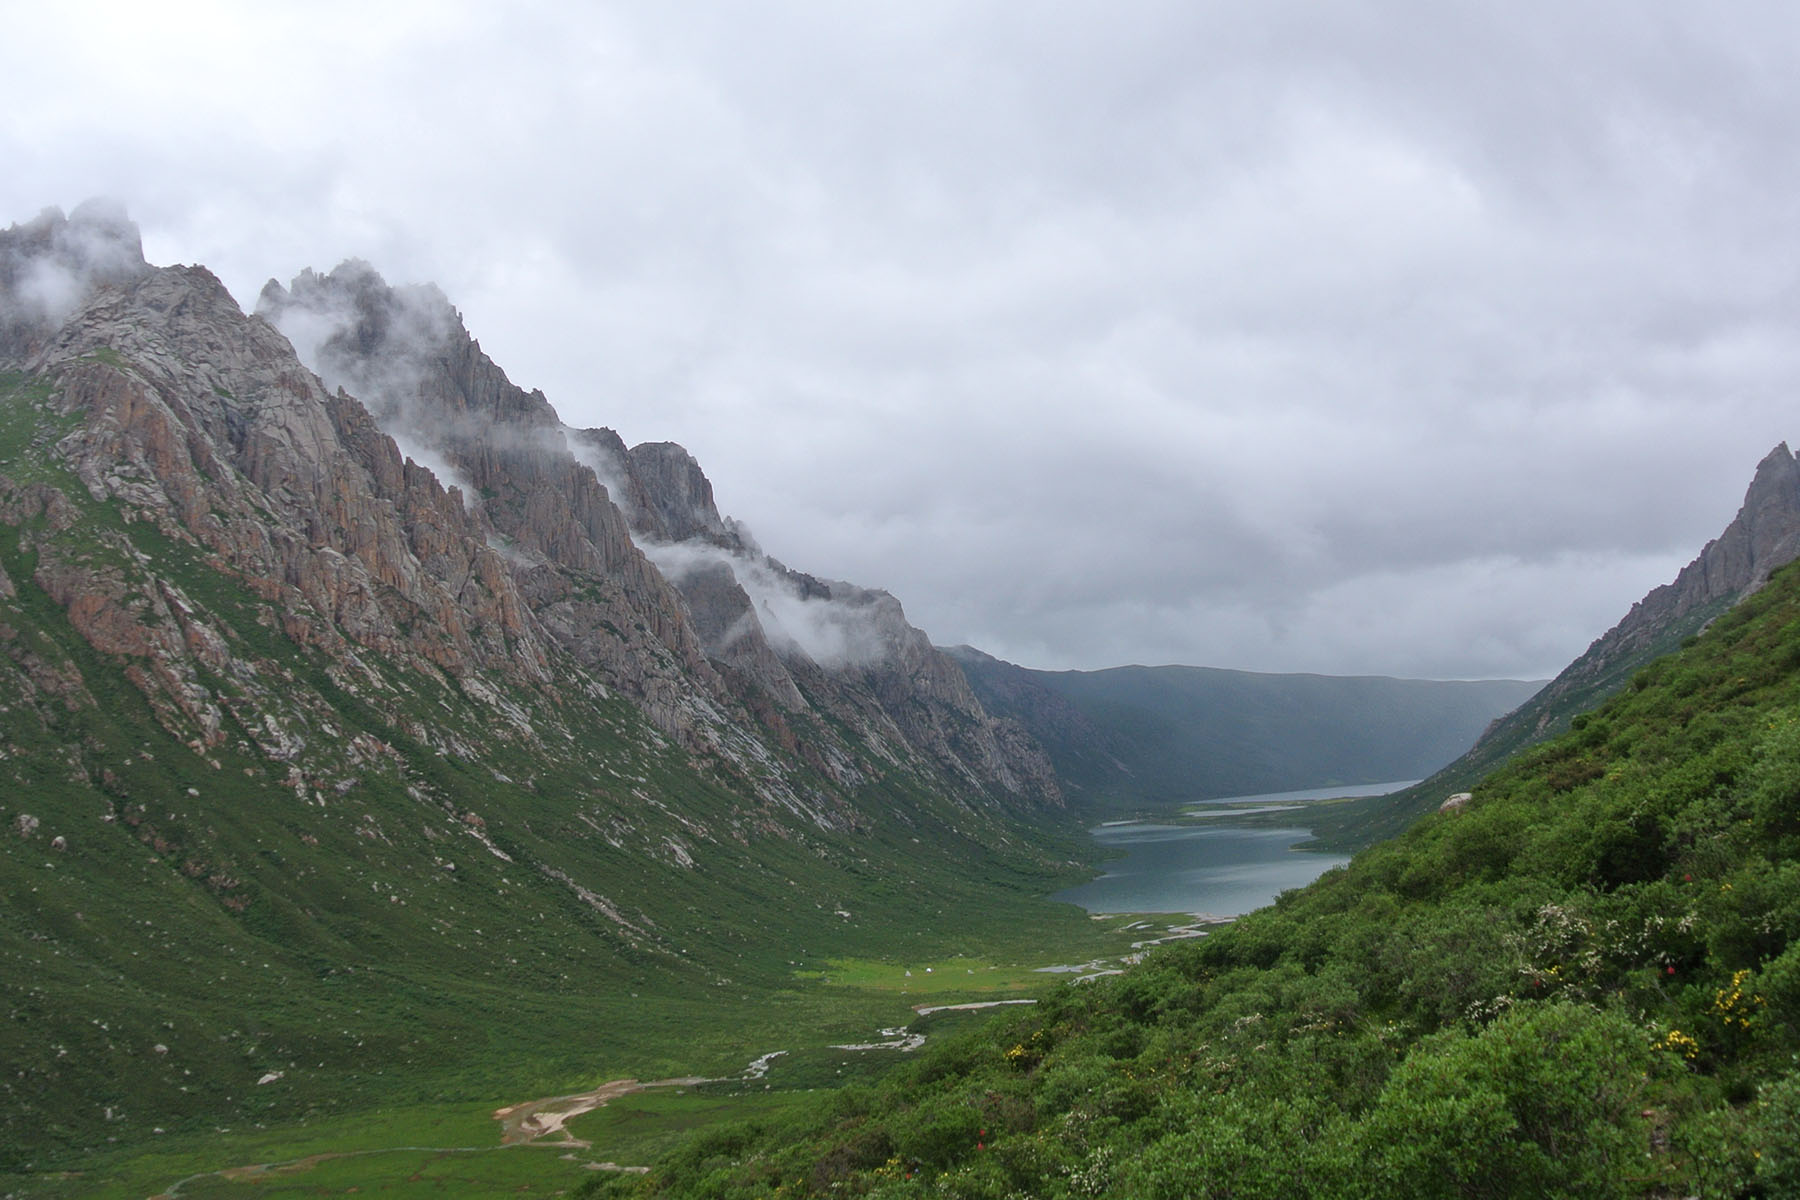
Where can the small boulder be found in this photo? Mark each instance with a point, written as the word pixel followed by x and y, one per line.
pixel 1455 803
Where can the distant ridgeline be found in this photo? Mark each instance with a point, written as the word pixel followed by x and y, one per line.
pixel 1583 982
pixel 1763 537
pixel 1133 738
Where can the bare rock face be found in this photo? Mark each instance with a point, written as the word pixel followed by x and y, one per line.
pixel 49 264
pixel 1764 535
pixel 929 697
pixel 409 501
pixel 248 458
pixel 404 352
pixel 628 565
pixel 188 417
pixel 410 514
pixel 725 618
pixel 680 496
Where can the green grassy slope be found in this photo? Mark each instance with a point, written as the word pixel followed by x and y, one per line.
pixel 1359 823
pixel 1586 983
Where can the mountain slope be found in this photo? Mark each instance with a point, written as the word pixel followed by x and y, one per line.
pixel 751 633
pixel 314 769
pixel 1586 983
pixel 1763 537
pixel 1136 737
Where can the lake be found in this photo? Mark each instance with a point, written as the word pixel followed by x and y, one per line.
pixel 1217 869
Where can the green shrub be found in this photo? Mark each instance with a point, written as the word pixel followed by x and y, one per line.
pixel 1544 1102
pixel 1775 1136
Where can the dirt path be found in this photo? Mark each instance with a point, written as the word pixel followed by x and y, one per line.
pixel 521 1124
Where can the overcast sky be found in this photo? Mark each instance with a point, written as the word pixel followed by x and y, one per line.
pixel 1384 337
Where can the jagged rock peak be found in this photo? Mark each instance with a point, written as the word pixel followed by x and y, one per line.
pixel 358 332
pixel 49 264
pixel 1770 516
pixel 681 497
pixel 525 574
pixel 360 307
pixel 98 239
pixel 1764 535
pixel 542 489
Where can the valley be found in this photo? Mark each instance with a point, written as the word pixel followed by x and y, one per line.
pixel 465 828
pixel 832 1021
pixel 1581 982
pixel 545 1145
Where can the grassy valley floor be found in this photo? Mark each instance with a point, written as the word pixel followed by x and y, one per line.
pixel 665 1066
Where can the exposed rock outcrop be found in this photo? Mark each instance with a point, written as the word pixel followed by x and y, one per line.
pixel 404 352
pixel 601 532
pixel 411 515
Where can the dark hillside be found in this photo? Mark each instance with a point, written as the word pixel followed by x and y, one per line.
pixel 1584 983
pixel 1129 738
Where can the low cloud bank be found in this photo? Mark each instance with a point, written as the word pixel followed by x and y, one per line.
pixel 49 265
pixel 836 631
pixel 335 322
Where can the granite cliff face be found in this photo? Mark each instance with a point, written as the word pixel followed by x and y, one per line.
pixel 529 558
pixel 197 424
pixel 608 538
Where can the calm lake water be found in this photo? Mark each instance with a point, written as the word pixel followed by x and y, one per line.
pixel 1220 868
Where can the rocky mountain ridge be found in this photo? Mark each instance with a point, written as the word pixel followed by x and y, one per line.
pixel 576 509
pixel 344 720
pixel 523 572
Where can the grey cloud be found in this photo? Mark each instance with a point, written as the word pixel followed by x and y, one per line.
pixel 327 332
pixel 835 632
pixel 59 260
pixel 1162 331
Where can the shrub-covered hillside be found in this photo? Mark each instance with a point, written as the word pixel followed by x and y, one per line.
pixel 1586 983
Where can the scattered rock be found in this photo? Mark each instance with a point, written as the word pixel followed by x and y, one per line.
pixel 1455 803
